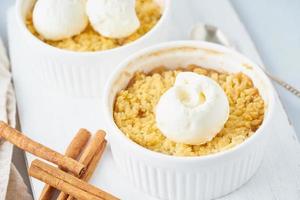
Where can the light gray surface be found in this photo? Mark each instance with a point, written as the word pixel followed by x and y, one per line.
pixel 275 29
pixel 4 5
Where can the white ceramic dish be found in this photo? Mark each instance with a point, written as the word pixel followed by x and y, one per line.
pixel 73 73
pixel 177 178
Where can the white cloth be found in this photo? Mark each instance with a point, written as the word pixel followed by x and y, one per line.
pixel 11 183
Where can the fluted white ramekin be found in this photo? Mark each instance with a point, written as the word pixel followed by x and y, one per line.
pixel 178 178
pixel 76 73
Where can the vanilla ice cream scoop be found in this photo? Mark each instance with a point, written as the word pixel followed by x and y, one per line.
pixel 113 18
pixel 59 19
pixel 193 111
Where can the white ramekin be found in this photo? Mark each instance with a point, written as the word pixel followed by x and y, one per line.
pixel 76 73
pixel 177 178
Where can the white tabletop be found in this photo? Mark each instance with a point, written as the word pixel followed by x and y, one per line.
pixel 271 51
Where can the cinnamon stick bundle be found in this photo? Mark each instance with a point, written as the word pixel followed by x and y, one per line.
pixel 89 156
pixel 73 151
pixel 18 139
pixel 66 182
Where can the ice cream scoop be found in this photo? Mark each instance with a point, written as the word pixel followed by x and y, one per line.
pixel 113 18
pixel 59 19
pixel 193 111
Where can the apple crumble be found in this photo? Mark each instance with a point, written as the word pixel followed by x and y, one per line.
pixel 134 111
pixel 148 13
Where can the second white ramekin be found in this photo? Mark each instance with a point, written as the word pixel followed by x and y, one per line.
pixel 73 73
pixel 178 178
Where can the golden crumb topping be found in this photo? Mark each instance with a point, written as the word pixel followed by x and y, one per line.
pixel 134 111
pixel 148 13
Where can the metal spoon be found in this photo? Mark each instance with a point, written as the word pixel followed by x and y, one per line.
pixel 213 34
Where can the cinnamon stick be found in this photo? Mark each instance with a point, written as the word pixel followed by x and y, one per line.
pixel 92 166
pixel 73 150
pixel 18 139
pixel 78 143
pixel 67 182
pixel 94 162
pixel 92 148
pixel 59 184
pixel 88 154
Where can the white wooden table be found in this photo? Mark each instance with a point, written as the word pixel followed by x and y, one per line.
pixel 46 118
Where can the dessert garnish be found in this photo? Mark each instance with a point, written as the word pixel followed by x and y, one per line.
pixel 59 19
pixel 193 111
pixel 71 176
pixel 90 158
pixel 73 151
pixel 113 18
pixel 23 142
pixel 67 182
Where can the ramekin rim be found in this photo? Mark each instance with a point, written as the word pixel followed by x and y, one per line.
pixel 162 156
pixel 154 29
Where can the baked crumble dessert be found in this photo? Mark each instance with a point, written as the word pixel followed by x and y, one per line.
pixel 134 111
pixel 147 11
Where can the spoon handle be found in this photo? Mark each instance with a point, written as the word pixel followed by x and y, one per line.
pixel 284 84
pixel 211 33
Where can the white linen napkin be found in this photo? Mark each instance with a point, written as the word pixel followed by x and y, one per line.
pixel 11 183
